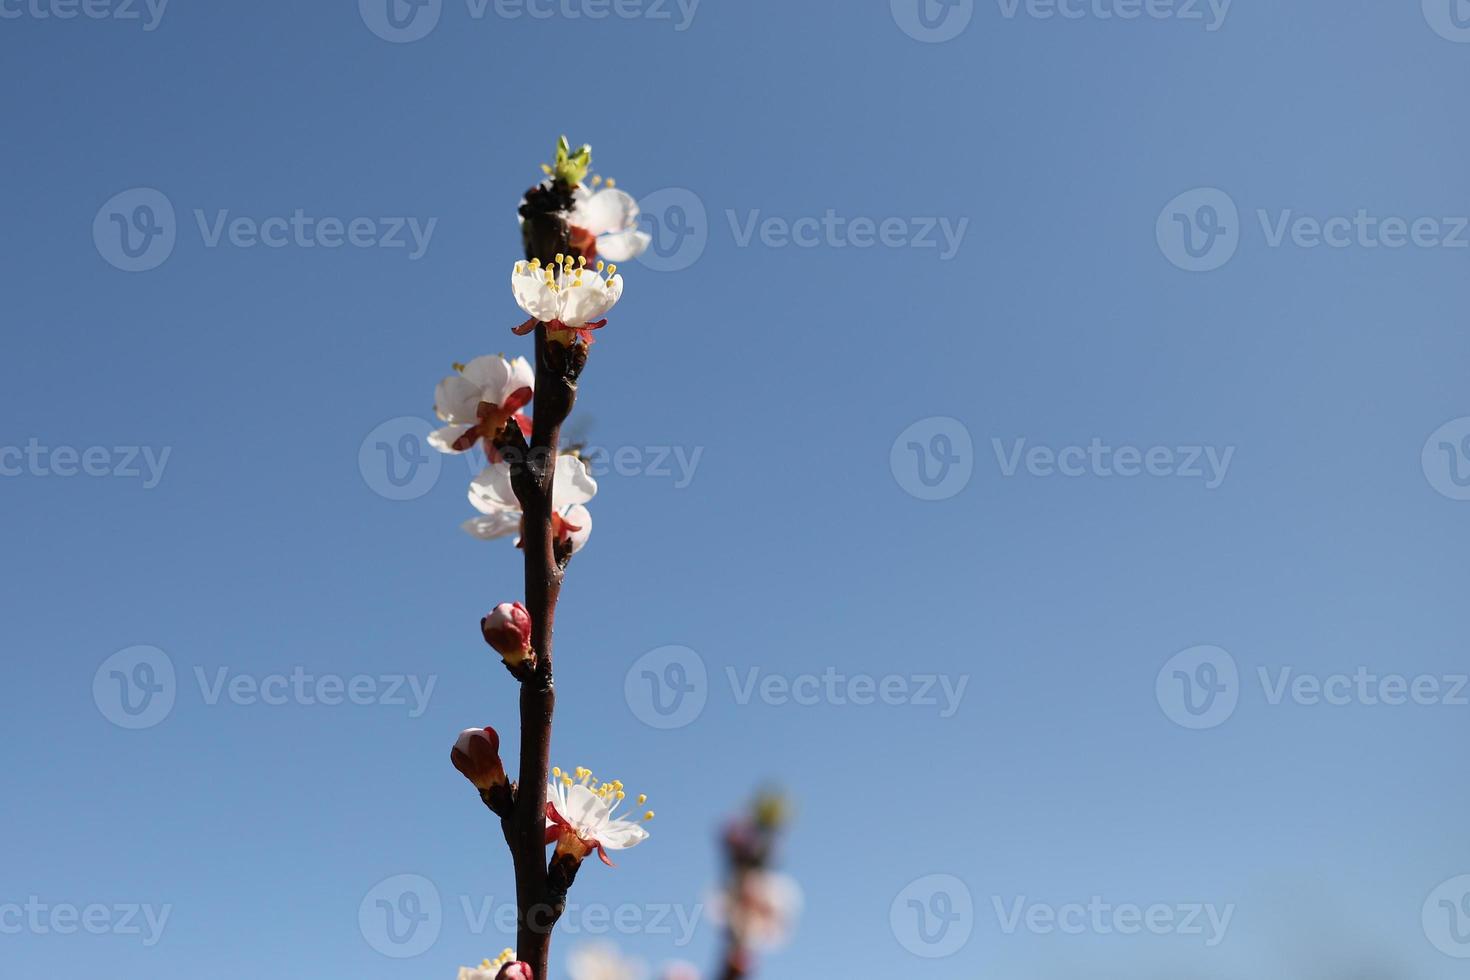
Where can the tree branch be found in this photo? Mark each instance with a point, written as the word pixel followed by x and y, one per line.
pixel 546 234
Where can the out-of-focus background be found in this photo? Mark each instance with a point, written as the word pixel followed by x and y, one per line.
pixel 1038 438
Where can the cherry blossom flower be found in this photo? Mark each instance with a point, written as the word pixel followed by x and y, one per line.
pixel 601 961
pixel 582 816
pixel 607 219
pixel 503 967
pixel 492 495
pixel 478 399
pixel 567 296
pixel 761 909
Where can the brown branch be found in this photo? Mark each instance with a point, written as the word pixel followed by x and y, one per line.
pixel 546 235
pixel 733 966
pixel 749 846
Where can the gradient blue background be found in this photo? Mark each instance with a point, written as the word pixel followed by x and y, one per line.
pixel 794 548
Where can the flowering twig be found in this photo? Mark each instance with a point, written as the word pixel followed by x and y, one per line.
pixel 530 488
pixel 533 480
pixel 759 905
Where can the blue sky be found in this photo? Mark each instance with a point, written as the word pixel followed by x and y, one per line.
pixel 919 305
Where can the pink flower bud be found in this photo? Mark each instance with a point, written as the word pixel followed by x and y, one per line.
pixel 516 971
pixel 477 755
pixel 508 630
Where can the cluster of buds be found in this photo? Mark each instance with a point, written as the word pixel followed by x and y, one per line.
pixel 508 630
pixel 476 754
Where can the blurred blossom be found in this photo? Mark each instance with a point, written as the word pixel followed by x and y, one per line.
pixel 602 961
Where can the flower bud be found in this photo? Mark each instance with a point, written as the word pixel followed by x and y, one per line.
pixel 477 755
pixel 516 971
pixel 508 630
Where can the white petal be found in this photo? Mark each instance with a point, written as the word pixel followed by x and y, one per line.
pixel 488 527
pixel 456 399
pixel 491 491
pixel 585 302
pixel 556 795
pixel 610 209
pixel 490 372
pixel 623 246
pixel 533 295
pixel 620 834
pixel 522 375
pixel 580 518
pixel 614 293
pixel 585 811
pixel 445 438
pixel 574 485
